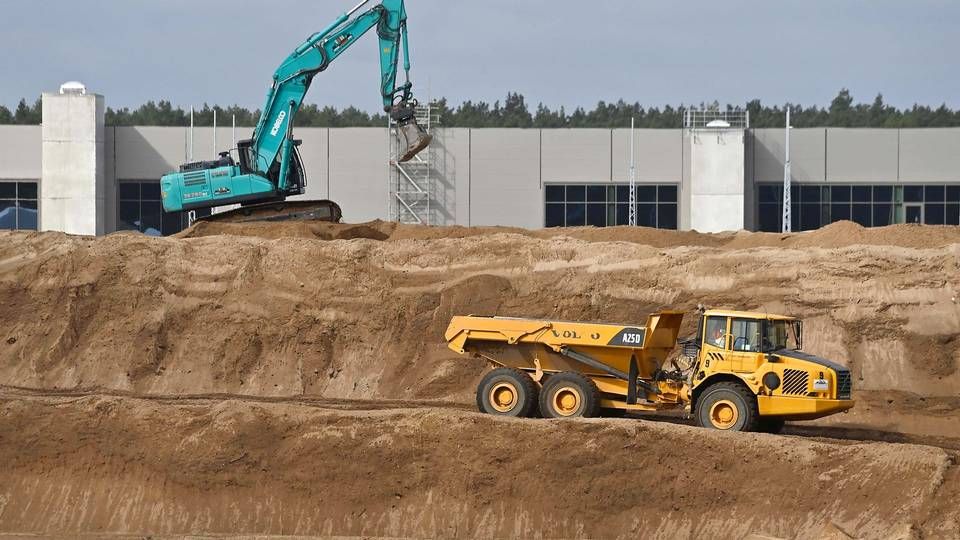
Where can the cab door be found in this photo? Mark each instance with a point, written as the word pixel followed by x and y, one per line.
pixel 716 345
pixel 744 345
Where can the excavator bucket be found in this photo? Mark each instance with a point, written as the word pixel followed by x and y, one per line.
pixel 412 136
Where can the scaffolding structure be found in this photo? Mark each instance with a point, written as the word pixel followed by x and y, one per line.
pixel 413 193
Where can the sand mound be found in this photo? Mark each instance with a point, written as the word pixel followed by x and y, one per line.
pixel 362 318
pixel 228 467
pixel 101 338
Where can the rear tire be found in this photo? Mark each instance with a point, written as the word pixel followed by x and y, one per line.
pixel 569 395
pixel 507 392
pixel 727 406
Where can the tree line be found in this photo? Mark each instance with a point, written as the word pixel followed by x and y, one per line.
pixel 515 112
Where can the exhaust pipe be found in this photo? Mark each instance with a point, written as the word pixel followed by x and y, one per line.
pixel 413 137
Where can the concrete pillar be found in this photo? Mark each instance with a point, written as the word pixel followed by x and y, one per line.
pixel 73 185
pixel 716 179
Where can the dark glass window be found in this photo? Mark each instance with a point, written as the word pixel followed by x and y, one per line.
pixel 555 194
pixel 769 193
pixel 912 194
pixel 667 194
pixel 933 193
pixel 934 214
pixel 952 216
pixel 597 215
pixel 809 217
pixel 598 205
pixel 130 191
pixel 576 193
pixel 18 206
pixel 861 194
pixel 554 215
pixel 646 194
pixel 770 218
pixel 576 214
pixel 860 213
pixel 884 193
pixel 667 216
pixel 27 212
pixel 839 212
pixel 810 194
pixel 623 214
pixel 882 214
pixel 8 214
pixel 953 194
pixel 597 194
pixel 840 194
pixel 139 209
pixel 27 190
pixel 646 215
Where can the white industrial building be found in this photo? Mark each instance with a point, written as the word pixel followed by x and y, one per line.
pixel 76 175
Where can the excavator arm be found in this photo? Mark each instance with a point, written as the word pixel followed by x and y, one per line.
pixel 292 79
pixel 269 166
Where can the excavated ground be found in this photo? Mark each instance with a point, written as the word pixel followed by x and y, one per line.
pixel 291 379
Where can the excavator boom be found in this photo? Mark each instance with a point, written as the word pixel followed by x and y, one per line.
pixel 269 168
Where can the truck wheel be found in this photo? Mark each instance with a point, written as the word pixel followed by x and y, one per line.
pixel 770 425
pixel 727 406
pixel 568 395
pixel 507 392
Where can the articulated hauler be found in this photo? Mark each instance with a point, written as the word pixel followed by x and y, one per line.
pixel 742 371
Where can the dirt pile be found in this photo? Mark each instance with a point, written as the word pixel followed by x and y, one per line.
pixel 106 466
pixel 362 318
pixel 209 384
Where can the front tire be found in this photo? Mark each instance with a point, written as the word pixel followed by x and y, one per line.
pixel 569 395
pixel 507 392
pixel 727 406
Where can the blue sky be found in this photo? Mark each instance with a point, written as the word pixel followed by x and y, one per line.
pixel 558 52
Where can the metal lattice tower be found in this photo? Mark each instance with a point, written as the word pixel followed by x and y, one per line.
pixel 412 189
pixel 786 180
pixel 632 211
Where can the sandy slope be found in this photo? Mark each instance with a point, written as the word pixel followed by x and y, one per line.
pixel 97 336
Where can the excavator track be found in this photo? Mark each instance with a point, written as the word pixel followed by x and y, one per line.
pixel 322 210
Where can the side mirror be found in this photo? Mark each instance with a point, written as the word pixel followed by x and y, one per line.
pixel 771 358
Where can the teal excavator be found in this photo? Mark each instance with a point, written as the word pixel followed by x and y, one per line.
pixel 268 168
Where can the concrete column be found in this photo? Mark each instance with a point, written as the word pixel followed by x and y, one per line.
pixel 73 185
pixel 716 179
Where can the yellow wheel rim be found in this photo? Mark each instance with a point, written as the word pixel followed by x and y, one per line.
pixel 504 397
pixel 566 400
pixel 724 414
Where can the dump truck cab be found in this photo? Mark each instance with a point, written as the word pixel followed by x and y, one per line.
pixel 761 352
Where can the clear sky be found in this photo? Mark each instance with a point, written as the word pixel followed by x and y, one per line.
pixel 559 52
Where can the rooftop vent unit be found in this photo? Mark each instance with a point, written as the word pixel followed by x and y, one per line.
pixel 75 88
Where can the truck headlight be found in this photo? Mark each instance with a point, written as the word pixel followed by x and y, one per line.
pixel 771 380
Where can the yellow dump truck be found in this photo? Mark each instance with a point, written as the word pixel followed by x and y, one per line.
pixel 741 371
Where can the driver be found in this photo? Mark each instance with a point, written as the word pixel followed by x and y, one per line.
pixel 717 338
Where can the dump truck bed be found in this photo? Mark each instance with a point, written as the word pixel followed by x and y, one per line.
pixel 607 353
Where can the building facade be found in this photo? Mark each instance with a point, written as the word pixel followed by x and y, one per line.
pixel 76 175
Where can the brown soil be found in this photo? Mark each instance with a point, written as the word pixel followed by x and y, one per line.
pixel 98 336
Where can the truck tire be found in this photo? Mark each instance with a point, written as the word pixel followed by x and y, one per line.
pixel 727 406
pixel 569 395
pixel 507 392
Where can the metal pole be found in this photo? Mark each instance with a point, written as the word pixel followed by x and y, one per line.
pixel 233 132
pixel 191 133
pixel 632 211
pixel 786 179
pixel 214 131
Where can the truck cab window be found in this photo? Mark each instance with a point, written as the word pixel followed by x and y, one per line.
pixel 746 335
pixel 716 332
